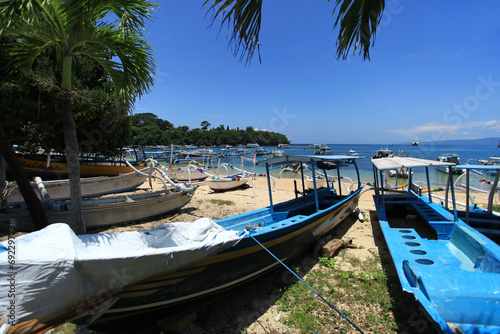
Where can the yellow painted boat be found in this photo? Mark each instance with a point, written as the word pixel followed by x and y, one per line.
pixel 57 168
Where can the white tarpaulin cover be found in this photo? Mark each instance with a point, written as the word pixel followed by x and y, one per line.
pixel 406 162
pixel 55 272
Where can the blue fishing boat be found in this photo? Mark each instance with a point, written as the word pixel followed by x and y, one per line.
pixel 452 269
pixel 285 229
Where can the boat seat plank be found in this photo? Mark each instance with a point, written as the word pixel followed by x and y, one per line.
pixel 427 212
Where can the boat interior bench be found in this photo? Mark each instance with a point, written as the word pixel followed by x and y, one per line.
pixel 438 218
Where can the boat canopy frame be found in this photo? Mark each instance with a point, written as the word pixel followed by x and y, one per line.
pixel 381 165
pixel 338 160
pixel 491 194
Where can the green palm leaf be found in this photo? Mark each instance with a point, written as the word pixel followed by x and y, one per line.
pixel 244 16
pixel 358 21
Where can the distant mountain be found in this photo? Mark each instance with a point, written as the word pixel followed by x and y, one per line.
pixel 493 141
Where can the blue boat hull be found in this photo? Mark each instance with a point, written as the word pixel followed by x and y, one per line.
pixel 453 271
pixel 286 230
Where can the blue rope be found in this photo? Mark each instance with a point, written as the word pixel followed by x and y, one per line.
pixel 284 265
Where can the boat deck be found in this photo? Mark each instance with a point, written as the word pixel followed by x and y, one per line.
pixel 291 210
pixel 446 264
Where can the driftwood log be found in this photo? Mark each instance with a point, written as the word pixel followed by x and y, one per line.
pixel 330 248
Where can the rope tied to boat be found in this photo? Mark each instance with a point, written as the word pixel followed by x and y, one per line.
pixel 297 276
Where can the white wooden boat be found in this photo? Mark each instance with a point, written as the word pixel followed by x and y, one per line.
pixel 106 211
pixel 226 183
pixel 452 158
pixel 320 183
pixel 90 187
pixel 190 173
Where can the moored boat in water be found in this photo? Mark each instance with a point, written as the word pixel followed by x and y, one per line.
pixel 452 158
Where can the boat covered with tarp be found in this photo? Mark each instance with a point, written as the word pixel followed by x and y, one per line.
pixel 58 276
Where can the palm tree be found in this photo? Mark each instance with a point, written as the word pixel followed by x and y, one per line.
pixel 109 32
pixel 357 21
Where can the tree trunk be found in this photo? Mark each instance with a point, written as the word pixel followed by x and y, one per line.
pixel 34 206
pixel 73 161
pixel 3 179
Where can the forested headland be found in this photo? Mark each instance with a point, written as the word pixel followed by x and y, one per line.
pixel 148 129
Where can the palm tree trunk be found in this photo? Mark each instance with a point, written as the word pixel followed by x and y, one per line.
pixel 73 161
pixel 3 179
pixel 32 201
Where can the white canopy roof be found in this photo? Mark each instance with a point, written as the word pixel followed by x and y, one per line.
pixel 306 158
pixel 406 162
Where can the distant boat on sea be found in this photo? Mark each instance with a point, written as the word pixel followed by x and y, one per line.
pixel 450 157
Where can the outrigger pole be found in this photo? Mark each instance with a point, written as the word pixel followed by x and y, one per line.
pixel 316 200
pixel 269 188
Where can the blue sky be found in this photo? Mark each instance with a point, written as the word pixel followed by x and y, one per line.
pixel 434 73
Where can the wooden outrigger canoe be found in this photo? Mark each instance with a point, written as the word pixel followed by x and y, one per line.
pixel 57 168
pixel 226 183
pixel 90 187
pixel 106 211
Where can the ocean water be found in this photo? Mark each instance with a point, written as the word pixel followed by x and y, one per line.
pixel 431 152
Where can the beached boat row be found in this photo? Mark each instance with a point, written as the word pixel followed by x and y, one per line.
pixel 443 255
pixel 200 271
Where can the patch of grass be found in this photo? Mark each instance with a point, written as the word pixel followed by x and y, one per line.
pixel 67 328
pixel 221 202
pixel 362 294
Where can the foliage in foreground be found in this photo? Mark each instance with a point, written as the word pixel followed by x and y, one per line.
pixel 365 294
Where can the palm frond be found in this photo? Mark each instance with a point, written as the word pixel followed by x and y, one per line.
pixel 358 21
pixel 243 18
pixel 131 15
